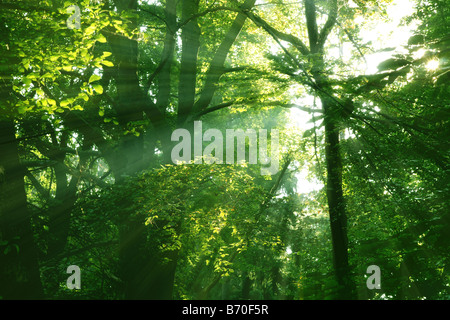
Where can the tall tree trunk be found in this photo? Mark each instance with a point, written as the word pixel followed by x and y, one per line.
pixel 190 38
pixel 335 197
pixel 336 204
pixel 60 210
pixel 141 269
pixel 19 269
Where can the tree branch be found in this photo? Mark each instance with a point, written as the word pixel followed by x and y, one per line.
pixel 326 29
pixel 36 183
pixel 204 13
pixel 212 109
pixel 81 250
pixel 217 64
pixel 311 24
pixel 296 42
pixel 164 86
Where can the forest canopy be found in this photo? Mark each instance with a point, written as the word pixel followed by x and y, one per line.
pixel 224 149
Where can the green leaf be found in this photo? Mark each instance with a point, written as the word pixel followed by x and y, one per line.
pixel 39 91
pixel 83 96
pixel 93 78
pixel 65 103
pixel 90 30
pixel 416 39
pixel 84 53
pixel 101 38
pixel 22 109
pixel 26 63
pixel 392 64
pixel 309 132
pixel 47 75
pixel 108 63
pixel 98 88
pixel 33 75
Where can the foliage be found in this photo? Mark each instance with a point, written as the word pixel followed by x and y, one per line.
pixel 91 112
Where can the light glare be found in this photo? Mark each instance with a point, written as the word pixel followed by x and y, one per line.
pixel 432 65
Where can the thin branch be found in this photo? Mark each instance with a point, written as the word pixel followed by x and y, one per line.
pixel 81 250
pixel 212 109
pixel 205 12
pixel 39 163
pixel 87 176
pixel 350 37
pixel 292 105
pixel 155 15
pixel 155 73
pixel 355 116
pixel 296 42
pixel 36 183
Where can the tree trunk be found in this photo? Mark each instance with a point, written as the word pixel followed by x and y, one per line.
pixel 246 286
pixel 60 212
pixel 141 269
pixel 336 204
pixel 19 269
pixel 335 197
pixel 190 38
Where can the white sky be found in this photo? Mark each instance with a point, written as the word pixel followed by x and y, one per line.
pixel 390 33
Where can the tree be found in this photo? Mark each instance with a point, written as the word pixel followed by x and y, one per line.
pixel 87 117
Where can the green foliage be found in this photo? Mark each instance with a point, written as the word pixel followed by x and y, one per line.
pixel 94 109
pixel 42 55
